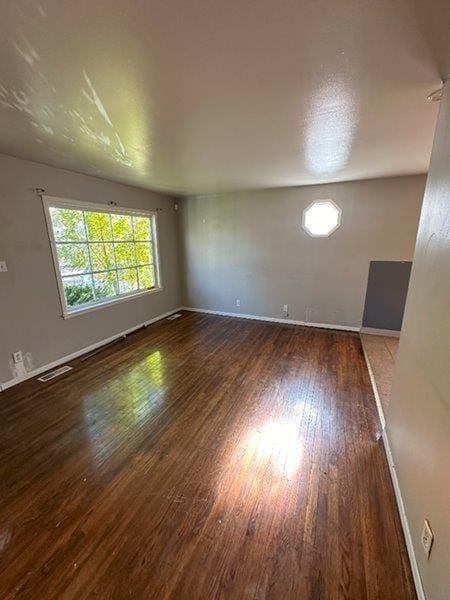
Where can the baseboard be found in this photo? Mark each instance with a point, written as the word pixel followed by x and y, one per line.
pixel 374 389
pixel 69 357
pixel 398 495
pixel 270 319
pixel 390 460
pixel 385 332
pixel 396 485
pixel 404 519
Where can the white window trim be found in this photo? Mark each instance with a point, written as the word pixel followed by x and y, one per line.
pixel 321 201
pixel 57 202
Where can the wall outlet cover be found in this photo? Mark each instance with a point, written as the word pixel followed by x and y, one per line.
pixel 17 356
pixel 3 267
pixel 427 537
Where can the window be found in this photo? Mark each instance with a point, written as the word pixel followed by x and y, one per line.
pixel 321 218
pixel 102 254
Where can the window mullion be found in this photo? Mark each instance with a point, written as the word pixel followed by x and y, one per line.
pixel 89 256
pixel 135 255
pixel 114 255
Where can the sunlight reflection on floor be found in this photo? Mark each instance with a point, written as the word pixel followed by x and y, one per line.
pixel 261 468
pixel 142 391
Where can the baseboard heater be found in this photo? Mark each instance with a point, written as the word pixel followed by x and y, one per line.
pixel 61 370
pixel 56 373
pixel 101 348
pixel 119 338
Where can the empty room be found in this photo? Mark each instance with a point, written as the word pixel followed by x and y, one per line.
pixel 225 300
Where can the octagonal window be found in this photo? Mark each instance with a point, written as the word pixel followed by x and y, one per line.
pixel 321 218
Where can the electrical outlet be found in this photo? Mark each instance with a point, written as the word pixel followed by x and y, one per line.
pixel 17 356
pixel 285 310
pixel 427 538
pixel 238 302
pixel 3 267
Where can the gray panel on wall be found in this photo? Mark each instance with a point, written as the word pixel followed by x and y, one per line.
pixel 251 246
pixel 386 294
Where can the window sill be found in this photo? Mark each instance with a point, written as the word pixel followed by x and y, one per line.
pixel 90 308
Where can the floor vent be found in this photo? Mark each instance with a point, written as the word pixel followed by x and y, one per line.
pixel 55 373
pixel 175 316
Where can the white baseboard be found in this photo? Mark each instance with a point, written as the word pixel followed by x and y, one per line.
pixel 390 460
pixel 271 319
pixel 396 485
pixel 374 389
pixel 69 357
pixel 404 519
pixel 385 332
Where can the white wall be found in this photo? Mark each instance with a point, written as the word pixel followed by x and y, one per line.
pixel 251 246
pixel 418 419
pixel 29 302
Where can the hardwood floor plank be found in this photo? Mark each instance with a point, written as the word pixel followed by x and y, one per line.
pixel 207 457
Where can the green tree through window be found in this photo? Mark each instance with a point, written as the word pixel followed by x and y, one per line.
pixel 102 255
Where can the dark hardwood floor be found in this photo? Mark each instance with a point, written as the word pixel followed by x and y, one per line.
pixel 206 457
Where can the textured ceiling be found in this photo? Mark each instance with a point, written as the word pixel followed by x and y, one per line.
pixel 210 95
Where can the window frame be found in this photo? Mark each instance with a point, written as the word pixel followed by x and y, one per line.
pixel 322 201
pixel 58 202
